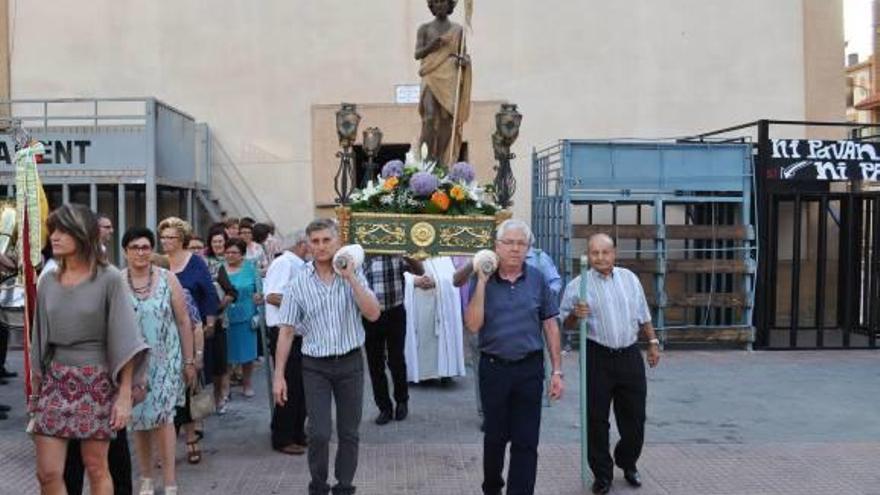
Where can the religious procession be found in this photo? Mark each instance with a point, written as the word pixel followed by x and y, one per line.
pixel 421 295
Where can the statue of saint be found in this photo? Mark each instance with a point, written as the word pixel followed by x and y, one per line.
pixel 446 82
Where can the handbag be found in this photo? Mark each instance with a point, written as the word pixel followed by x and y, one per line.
pixel 201 402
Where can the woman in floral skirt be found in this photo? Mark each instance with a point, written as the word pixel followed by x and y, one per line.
pixel 86 353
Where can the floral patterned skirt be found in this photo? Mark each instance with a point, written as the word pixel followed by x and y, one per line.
pixel 75 402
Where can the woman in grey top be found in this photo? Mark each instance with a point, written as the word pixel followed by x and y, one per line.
pixel 86 352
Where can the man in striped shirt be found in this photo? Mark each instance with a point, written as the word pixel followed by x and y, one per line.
pixel 326 307
pixel 616 312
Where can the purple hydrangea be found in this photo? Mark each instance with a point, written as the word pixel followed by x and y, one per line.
pixel 462 172
pixel 394 168
pixel 423 184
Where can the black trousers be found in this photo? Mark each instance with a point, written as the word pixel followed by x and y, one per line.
pixel 4 344
pixel 385 342
pixel 615 376
pixel 118 458
pixel 511 395
pixel 289 420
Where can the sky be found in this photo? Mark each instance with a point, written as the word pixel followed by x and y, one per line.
pixel 857 27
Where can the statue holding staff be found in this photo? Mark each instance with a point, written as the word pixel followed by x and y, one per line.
pixel 446 82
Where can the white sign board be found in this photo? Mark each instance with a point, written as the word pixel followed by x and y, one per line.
pixel 407 93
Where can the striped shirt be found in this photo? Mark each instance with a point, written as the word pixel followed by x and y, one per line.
pixel 326 315
pixel 617 306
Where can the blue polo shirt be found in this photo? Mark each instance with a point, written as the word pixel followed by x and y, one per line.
pixel 514 313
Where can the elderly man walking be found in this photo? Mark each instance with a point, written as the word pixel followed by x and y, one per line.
pixel 510 310
pixel 288 421
pixel 616 312
pixel 325 307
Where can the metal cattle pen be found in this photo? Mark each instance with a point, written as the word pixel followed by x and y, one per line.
pixel 681 215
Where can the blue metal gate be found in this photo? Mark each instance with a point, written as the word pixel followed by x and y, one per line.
pixel 681 214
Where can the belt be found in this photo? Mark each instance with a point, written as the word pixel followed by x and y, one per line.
pixel 337 357
pixel 611 350
pixel 507 362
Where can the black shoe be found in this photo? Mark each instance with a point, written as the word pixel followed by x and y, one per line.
pixel 5 408
pixel 3 381
pixel 3 416
pixel 383 418
pixel 4 373
pixel 402 411
pixel 632 477
pixel 601 487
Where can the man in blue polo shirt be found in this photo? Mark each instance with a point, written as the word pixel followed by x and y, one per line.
pixel 509 310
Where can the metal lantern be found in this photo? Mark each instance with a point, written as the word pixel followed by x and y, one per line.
pixel 507 122
pixel 347 120
pixel 372 145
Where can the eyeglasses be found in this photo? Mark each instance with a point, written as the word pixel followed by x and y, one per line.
pixel 169 237
pixel 139 249
pixel 512 243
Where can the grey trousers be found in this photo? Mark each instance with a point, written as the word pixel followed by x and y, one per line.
pixel 341 379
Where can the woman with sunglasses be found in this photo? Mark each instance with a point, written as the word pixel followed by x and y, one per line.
pixel 161 312
pixel 86 353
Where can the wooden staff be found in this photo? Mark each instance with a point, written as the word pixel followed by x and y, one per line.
pixel 458 76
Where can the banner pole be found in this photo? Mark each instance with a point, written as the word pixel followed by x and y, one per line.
pixel 582 331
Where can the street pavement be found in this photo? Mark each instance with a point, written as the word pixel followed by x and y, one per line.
pixel 719 422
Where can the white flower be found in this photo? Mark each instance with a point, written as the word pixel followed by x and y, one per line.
pixel 419 160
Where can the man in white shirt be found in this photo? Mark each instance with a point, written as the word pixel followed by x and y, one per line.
pixel 288 421
pixel 616 312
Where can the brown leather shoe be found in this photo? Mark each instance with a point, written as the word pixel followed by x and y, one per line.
pixel 292 449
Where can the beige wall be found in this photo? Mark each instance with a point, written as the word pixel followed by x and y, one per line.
pixel 578 68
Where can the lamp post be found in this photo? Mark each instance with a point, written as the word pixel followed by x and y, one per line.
pixel 372 144
pixel 507 122
pixel 347 120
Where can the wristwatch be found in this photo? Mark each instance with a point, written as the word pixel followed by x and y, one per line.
pixel 559 373
pixel 654 341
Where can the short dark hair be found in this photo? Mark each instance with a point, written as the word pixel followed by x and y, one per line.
pixel 136 233
pixel 322 224
pixel 237 242
pixel 261 232
pixel 246 224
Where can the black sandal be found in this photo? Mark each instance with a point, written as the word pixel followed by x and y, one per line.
pixel 193 452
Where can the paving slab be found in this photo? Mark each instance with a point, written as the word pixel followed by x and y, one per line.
pixel 719 422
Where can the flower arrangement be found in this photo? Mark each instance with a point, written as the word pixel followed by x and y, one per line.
pixel 423 186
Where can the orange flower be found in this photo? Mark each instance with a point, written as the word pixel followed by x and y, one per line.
pixel 440 200
pixel 390 183
pixel 457 193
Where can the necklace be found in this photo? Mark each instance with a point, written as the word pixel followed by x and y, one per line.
pixel 144 289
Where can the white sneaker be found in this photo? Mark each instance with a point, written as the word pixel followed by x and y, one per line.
pixel 221 409
pixel 147 487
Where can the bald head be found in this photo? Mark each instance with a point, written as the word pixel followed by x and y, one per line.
pixel 600 240
pixel 602 254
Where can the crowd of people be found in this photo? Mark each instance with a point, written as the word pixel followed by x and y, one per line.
pixel 153 348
